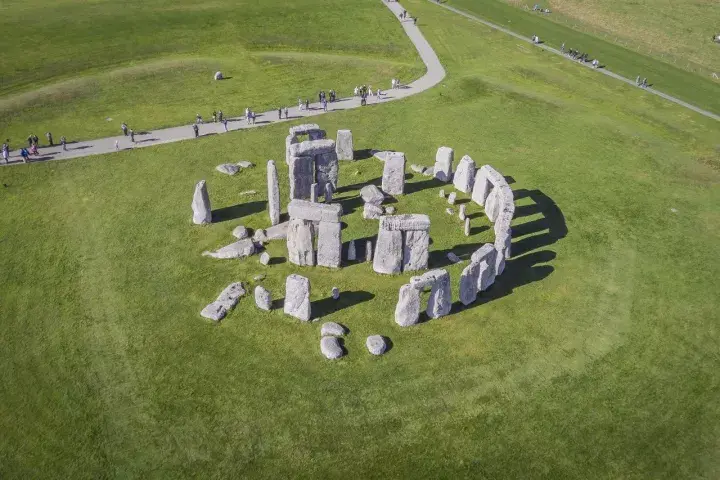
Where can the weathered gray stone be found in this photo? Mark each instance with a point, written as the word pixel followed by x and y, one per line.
pixel 468 283
pixel 451 198
pixel 466 230
pixel 429 172
pixel 330 347
pixel 440 300
pixel 328 192
pixel 415 250
pixel 388 252
pixel 214 311
pixel 464 177
pixel 407 310
pixel 502 246
pixel 326 170
pixel 240 249
pixel 417 168
pixel 297 297
pixel 303 129
pixel 273 193
pixel 202 214
pixel 312 148
pixel 372 194
pixel 461 212
pixel 263 299
pixel 443 164
pixel 300 242
pixel 240 232
pixel 486 257
pixel 265 258
pixel 245 164
pixel 302 173
pixel 500 197
pixel 453 258
pixel 441 193
pixel 393 179
pixel 376 344
pixel 277 232
pixel 481 188
pixel 314 192
pixel 352 252
pixel 317 134
pixel 228 168
pixel 315 212
pixel 414 221
pixel 335 293
pixel 381 154
pixel 230 296
pixel 368 251
pixel 259 236
pixel 329 243
pixel 372 212
pixel 332 329
pixel 344 145
pixel 450 211
pixel 289 140
pixel 389 210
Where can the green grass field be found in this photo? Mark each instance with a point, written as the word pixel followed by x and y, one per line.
pixel 594 356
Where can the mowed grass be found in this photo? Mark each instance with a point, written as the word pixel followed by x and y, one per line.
pixel 594 356
pixel 89 67
pixel 700 90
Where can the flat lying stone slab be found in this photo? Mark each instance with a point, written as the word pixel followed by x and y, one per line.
pixel 332 329
pixel 214 312
pixel 228 168
pixel 277 232
pixel 372 212
pixel 240 249
pixel 330 347
pixel 231 295
pixel 376 344
pixel 315 212
pixel 245 164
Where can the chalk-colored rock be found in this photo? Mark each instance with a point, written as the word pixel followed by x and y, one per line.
pixel 240 232
pixel 273 193
pixel 202 214
pixel 464 177
pixel 407 310
pixel 263 299
pixel 228 168
pixel 344 145
pixel 240 249
pixel 332 329
pixel 372 194
pixel 265 258
pixel 330 348
pixel 443 164
pixel 297 297
pixel 376 344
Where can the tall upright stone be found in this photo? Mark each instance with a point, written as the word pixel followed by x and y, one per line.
pixel 368 251
pixel 461 212
pixel 443 164
pixel 393 179
pixel 301 177
pixel 486 257
pixel 202 214
pixel 388 252
pixel 464 177
pixel 416 250
pixel 467 227
pixel 273 193
pixel 300 242
pixel 329 244
pixel 503 243
pixel 329 192
pixel 344 145
pixel 481 187
pixel 407 310
pixel 468 283
pixel 326 170
pixel 440 300
pixel 314 192
pixel 297 297
pixel 352 252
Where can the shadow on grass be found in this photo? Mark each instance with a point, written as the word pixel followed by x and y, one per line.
pixel 552 222
pixel 329 305
pixel 237 211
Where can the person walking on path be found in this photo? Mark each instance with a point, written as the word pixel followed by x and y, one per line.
pixel 214 116
pixel 198 118
pixel 220 116
pixel 6 150
pixel 117 145
pixel 286 113
pixel 196 130
pixel 124 128
pixel 132 135
pixel 48 135
pixel 63 142
pixel 307 104
pixel 224 122
pixel 279 113
pixel 36 140
pixel 415 21
pixel 252 114
pixel 24 153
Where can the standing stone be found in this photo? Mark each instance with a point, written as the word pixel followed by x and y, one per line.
pixel 407 310
pixel 467 227
pixel 300 242
pixel 376 344
pixel 464 177
pixel 352 253
pixel 368 251
pixel 388 252
pixel 328 192
pixel 344 145
pixel 443 164
pixel 289 140
pixel 451 198
pixel 301 177
pixel 297 297
pixel 502 247
pixel 335 293
pixel 314 192
pixel 481 187
pixel 486 256
pixel 416 250
pixel 461 213
pixel 493 205
pixel 440 300
pixel 202 214
pixel 262 298
pixel 329 244
pixel 273 193
pixel 326 169
pixel 393 179
pixel 372 195
pixel 468 283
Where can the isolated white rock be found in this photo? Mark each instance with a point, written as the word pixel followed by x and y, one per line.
pixel 376 344
pixel 265 258
pixel 240 232
pixel 227 168
pixel 240 249
pixel 330 347
pixel 262 298
pixel 332 329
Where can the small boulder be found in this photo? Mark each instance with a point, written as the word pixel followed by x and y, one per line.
pixel 335 292
pixel 330 347
pixel 332 329
pixel 372 194
pixel 262 298
pixel 417 168
pixel 451 198
pixel 245 164
pixel 215 311
pixel 442 193
pixel 259 278
pixel 240 249
pixel 372 212
pixel 450 211
pixel 259 236
pixel 376 344
pixel 218 76
pixel 265 258
pixel 389 210
pixel 240 232
pixel 429 172
pixel 227 169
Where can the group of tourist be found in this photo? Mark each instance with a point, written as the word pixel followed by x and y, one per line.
pixel 395 83
pixel 535 39
pixel 404 15
pixel 129 132
pixel 536 8
pixel 580 57
pixel 32 148
pixel 641 83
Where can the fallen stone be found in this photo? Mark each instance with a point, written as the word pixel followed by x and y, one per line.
pixel 372 212
pixel 259 236
pixel 332 329
pixel 263 299
pixel 227 168
pixel 464 177
pixel 372 195
pixel 245 164
pixel 214 312
pixel 330 347
pixel 453 258
pixel 240 249
pixel 443 164
pixel 393 179
pixel 335 293
pixel 468 283
pixel 389 210
pixel 240 232
pixel 376 344
pixel 297 297
pixel 229 297
pixel 417 168
pixel 451 198
pixel 202 214
pixel 265 258
pixel 450 211
pixel 380 154
pixel 407 310
pixel 277 232
pixel 344 145
pixel 273 193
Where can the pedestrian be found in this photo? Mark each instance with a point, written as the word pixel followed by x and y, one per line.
pixel 48 135
pixel 224 122
pixel 34 150
pixel 117 145
pixel 324 105
pixel 30 137
pixel 132 135
pixel 220 115
pixel 252 114
pixel 196 130
pixel 36 140
pixel 307 104
pixel 286 113
pixel 279 113
pixel 415 20
pixel 637 80
pixel 6 150
pixel 214 115
pixel 24 153
pixel 198 118
pixel 63 142
pixel 300 104
pixel 124 128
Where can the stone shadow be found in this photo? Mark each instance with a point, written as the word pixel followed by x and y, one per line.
pixel 415 187
pixel 553 222
pixel 326 306
pixel 363 154
pixel 236 211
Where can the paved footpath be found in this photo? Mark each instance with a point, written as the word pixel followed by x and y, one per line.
pixel 604 71
pixel 435 73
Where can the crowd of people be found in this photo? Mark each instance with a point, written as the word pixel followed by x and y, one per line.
pixel 580 56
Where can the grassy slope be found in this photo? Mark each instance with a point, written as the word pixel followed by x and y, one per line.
pixel 698 90
pixel 151 63
pixel 593 357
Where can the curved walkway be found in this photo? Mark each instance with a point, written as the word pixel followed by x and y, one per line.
pixel 558 52
pixel 435 73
